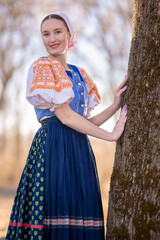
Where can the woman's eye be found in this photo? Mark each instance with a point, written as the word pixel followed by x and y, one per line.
pixel 58 32
pixel 45 34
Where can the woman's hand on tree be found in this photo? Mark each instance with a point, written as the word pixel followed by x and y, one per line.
pixel 119 127
pixel 118 93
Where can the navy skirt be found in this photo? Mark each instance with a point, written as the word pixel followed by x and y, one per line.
pixel 58 197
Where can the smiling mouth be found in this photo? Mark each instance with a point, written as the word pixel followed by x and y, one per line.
pixel 54 46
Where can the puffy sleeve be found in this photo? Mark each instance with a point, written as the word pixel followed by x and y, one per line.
pixel 93 95
pixel 48 85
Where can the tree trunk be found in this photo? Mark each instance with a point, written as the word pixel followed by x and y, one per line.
pixel 134 199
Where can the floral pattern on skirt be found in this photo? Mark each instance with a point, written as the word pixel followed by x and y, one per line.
pixel 27 215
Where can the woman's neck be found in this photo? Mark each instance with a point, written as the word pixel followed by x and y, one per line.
pixel 61 59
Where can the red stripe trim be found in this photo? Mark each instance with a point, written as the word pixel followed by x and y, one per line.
pixel 25 225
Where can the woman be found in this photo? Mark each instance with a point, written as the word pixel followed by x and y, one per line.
pixel 58 195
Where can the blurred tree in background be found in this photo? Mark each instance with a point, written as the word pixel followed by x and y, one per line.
pixel 15 24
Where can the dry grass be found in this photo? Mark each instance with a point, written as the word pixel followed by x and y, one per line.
pixel 9 177
pixel 6 201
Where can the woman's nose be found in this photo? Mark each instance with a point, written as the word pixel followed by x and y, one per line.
pixel 52 37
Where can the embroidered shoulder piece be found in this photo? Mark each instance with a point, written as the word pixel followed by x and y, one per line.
pixel 49 74
pixel 91 86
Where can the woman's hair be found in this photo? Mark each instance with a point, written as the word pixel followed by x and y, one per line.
pixel 56 17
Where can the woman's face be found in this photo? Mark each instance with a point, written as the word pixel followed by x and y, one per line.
pixel 55 36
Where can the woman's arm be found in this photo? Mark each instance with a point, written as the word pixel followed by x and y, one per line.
pixel 75 121
pixel 102 117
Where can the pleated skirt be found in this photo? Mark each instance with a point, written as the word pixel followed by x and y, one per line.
pixel 58 197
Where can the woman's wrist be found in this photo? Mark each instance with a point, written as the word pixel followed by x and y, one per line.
pixel 114 137
pixel 115 107
pixel 110 137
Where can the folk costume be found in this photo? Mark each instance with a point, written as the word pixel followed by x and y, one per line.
pixel 58 197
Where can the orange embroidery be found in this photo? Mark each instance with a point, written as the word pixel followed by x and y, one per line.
pixel 90 84
pixel 49 74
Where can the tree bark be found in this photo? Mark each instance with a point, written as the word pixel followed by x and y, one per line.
pixel 134 199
